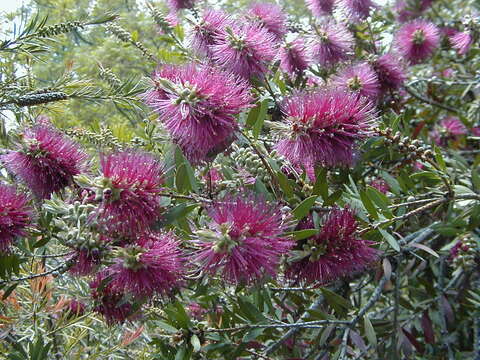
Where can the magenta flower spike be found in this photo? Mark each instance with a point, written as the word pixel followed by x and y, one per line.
pixel 322 127
pixel 333 43
pixel 177 5
pixel 153 265
pixel 198 104
pixel 461 41
pixel 48 161
pixel 15 215
pixel 270 16
pixel 334 253
pixel 417 40
pixel 449 128
pixel 245 50
pixel 84 261
pixel 320 8
pixel 356 10
pixel 358 78
pixel 390 72
pixel 203 35
pixel 294 57
pixel 245 239
pixel 130 192
pixel 108 302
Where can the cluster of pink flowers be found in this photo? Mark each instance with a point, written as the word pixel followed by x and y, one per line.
pixel 46 161
pixel 417 40
pixel 197 105
pixel 130 192
pixel 245 239
pixel 322 127
pixel 335 252
pixel 15 215
pixel 449 129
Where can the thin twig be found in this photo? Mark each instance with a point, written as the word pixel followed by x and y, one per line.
pixel 430 101
pixel 34 276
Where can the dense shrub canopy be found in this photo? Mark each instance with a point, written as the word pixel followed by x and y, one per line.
pixel 211 180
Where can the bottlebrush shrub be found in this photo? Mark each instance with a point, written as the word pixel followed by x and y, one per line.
pixel 290 182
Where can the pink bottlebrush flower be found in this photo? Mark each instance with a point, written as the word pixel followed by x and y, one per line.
pixel 152 265
pixel 449 129
pixel 335 252
pixel 461 42
pixel 332 44
pixel 47 162
pixel 15 215
pixel 177 5
pixel 196 311
pixel 203 35
pixel 198 105
pixel 320 8
pixel 270 16
pixel 476 131
pixel 244 239
pixel 417 40
pixel 359 78
pixel 390 72
pixel 381 185
pixel 294 57
pixel 321 128
pixel 84 261
pixel 245 50
pixel 76 308
pixel 213 177
pixel 109 303
pixel 129 192
pixel 356 10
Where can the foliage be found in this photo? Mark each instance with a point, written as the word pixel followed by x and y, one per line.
pixel 394 219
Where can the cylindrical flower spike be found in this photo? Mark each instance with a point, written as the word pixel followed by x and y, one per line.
pixel 417 40
pixel 198 105
pixel 153 265
pixel 335 252
pixel 129 192
pixel 15 215
pixel 48 161
pixel 244 239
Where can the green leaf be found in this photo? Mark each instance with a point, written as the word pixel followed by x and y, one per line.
pixel 257 127
pixel 185 177
pixel 339 303
pixel 303 234
pixel 321 184
pixel 304 207
pixel 370 331
pixel 380 200
pixel 253 115
pixel 195 341
pixel 476 178
pixel 390 239
pixel 367 203
pixel 439 158
pixel 41 242
pixel 167 327
pixel 7 292
pixel 252 335
pixel 285 184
